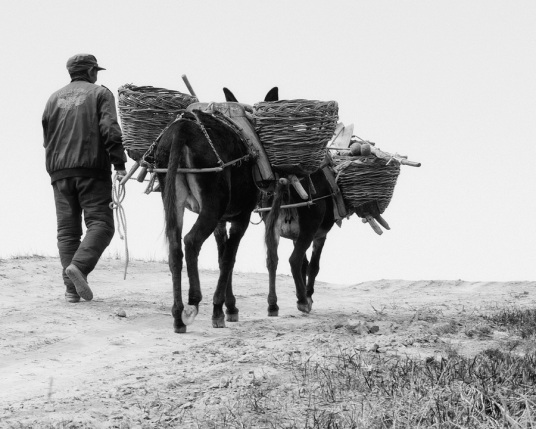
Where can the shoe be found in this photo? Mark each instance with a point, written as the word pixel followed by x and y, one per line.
pixel 80 282
pixel 72 297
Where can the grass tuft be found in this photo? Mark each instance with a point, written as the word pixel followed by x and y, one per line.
pixel 517 320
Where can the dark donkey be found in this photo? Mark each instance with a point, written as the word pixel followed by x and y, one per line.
pixel 210 173
pixel 304 225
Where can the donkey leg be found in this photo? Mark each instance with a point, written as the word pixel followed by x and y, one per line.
pixel 203 227
pixel 224 290
pixel 174 225
pixel 296 260
pixel 220 234
pixel 272 260
pixel 230 302
pixel 305 266
pixel 175 266
pixel 314 266
pixel 271 237
pixel 231 309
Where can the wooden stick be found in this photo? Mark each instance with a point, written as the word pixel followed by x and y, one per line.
pixel 338 130
pixel 401 159
pixel 187 82
pixel 410 163
pixel 149 188
pixel 142 174
pixel 187 170
pixel 382 221
pixel 285 206
pixel 374 225
pixel 297 185
pixel 130 173
pixel 200 170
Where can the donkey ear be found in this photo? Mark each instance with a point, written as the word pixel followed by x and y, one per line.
pixel 229 96
pixel 273 94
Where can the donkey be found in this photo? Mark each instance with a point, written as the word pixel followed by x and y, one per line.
pixel 210 173
pixel 304 225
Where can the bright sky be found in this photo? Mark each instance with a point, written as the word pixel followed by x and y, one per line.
pixel 449 83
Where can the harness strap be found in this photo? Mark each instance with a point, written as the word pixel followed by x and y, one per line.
pixel 198 121
pixel 214 169
pixel 149 152
pixel 222 118
pixel 289 206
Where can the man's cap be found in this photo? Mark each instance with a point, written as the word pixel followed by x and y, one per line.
pixel 81 62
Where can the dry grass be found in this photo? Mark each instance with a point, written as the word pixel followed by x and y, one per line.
pixel 517 320
pixel 351 389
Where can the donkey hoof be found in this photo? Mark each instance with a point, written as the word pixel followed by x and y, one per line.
pixel 232 317
pixel 180 330
pixel 218 323
pixel 273 311
pixel 188 314
pixel 72 297
pixel 304 308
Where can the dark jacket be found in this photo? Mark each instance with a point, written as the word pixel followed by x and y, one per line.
pixel 81 133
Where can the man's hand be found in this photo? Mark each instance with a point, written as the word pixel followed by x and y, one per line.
pixel 120 174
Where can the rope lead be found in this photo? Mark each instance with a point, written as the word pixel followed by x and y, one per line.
pixel 118 195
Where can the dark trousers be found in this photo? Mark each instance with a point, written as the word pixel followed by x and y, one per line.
pixel 74 197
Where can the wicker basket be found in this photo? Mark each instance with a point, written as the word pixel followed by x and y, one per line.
pixel 295 133
pixel 145 111
pixel 364 180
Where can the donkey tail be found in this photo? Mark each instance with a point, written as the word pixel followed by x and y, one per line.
pixel 173 213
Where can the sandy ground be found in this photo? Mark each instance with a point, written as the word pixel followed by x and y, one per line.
pixel 84 363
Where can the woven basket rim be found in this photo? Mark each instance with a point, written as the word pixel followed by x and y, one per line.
pixel 295 100
pixel 151 89
pixel 268 109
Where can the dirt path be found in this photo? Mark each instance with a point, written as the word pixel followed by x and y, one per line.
pixel 84 365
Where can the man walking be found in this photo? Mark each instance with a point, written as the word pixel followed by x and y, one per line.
pixel 82 140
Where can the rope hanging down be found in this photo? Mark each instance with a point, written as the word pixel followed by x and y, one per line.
pixel 118 195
